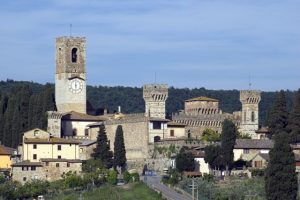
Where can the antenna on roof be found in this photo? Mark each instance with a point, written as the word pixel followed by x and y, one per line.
pixel 70 30
pixel 250 84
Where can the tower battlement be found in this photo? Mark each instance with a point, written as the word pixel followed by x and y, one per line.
pixel 250 96
pixel 155 96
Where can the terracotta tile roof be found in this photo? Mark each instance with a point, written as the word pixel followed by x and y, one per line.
pixel 202 98
pixel 60 160
pixel 27 163
pixel 253 144
pixel 263 130
pixel 158 119
pixel 87 142
pixel 6 150
pixel 172 123
pixel 82 117
pixel 50 141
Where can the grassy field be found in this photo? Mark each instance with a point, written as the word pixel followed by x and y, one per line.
pixel 134 191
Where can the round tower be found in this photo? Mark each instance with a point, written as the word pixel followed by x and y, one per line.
pixel 250 112
pixel 155 96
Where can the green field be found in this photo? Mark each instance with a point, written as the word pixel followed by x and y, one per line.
pixel 134 191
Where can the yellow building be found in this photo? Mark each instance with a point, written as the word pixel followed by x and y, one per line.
pixel 6 154
pixel 46 157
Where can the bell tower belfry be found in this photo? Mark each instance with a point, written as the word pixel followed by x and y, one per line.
pixel 250 111
pixel 70 76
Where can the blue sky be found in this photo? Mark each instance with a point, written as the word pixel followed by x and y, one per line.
pixel 216 44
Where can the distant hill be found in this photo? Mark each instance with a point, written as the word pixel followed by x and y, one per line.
pixel 23 104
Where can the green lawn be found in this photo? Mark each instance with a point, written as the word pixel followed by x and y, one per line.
pixel 128 192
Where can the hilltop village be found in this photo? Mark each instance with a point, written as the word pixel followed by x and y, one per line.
pixel 72 133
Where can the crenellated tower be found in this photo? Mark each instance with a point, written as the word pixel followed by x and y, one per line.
pixel 155 96
pixel 250 111
pixel 70 76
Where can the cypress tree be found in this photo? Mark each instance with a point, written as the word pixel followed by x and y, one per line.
pixel 278 115
pixel 102 151
pixel 281 179
pixel 228 137
pixel 294 120
pixel 119 149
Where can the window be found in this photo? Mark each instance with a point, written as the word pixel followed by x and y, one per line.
pixel 24 178
pixel 24 168
pixel 74 55
pixel 156 125
pixel 57 164
pixel 34 156
pixel 252 116
pixel 34 146
pixel 59 157
pixel 59 147
pixel 172 133
pixel 68 164
pixel 74 132
pixel 246 151
pixel 245 116
pixel 47 163
pixel 33 168
pixel 258 164
pixel 86 132
pixel 156 139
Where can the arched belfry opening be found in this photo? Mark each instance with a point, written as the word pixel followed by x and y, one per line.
pixel 74 55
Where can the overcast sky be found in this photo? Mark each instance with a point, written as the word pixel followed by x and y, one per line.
pixel 216 44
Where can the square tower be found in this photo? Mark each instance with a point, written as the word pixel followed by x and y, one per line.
pixel 250 111
pixel 70 76
pixel 155 96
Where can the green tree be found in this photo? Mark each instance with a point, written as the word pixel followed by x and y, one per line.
pixel 281 178
pixel 278 115
pixel 228 137
pixel 102 151
pixel 185 160
pixel 294 120
pixel 119 149
pixel 210 135
pixel 213 156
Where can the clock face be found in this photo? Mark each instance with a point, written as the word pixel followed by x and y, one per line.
pixel 76 86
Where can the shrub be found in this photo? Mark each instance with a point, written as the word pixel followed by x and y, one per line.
pixel 135 177
pixel 112 177
pixel 127 177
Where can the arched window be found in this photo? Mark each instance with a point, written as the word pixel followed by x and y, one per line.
pixel 252 116
pixel 156 139
pixel 74 55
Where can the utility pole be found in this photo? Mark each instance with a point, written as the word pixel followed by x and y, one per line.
pixel 193 192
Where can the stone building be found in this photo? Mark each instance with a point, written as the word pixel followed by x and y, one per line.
pixel 155 96
pixel 202 112
pixel 70 76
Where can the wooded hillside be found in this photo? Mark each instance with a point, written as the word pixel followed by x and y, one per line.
pixel 23 105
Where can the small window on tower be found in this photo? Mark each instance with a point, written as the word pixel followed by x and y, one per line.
pixel 252 116
pixel 74 55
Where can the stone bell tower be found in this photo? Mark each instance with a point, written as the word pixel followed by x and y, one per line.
pixel 250 112
pixel 155 96
pixel 70 76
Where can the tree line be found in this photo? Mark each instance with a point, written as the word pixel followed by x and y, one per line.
pixel 23 104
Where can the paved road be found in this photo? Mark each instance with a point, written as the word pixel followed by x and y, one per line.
pixel 154 182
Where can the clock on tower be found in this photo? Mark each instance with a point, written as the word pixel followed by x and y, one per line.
pixel 70 77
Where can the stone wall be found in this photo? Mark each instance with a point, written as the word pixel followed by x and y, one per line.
pixel 23 174
pixel 54 172
pixel 135 137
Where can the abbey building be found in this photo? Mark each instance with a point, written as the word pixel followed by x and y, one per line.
pixel 71 134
